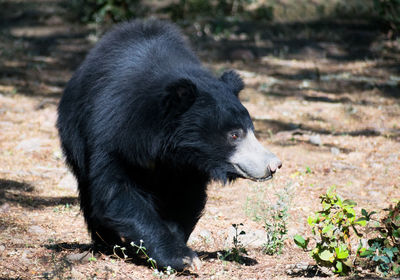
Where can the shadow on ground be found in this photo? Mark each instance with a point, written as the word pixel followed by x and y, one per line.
pixel 42 46
pixel 23 194
pixel 216 255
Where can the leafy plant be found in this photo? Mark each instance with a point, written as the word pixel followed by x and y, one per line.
pixel 383 252
pixel 140 249
pixel 333 227
pixel 276 226
pixel 275 218
pixel 238 250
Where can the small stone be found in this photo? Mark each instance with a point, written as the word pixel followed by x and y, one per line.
pixel 342 166
pixel 24 257
pixel 201 236
pixel 80 257
pixel 315 140
pixel 4 208
pixel 2 248
pixel 30 145
pixel 76 274
pixel 335 151
pixel 37 230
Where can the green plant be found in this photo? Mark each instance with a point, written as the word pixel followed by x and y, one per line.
pixel 333 227
pixel 237 252
pixel 140 249
pixel 383 252
pixel 275 217
pixel 276 225
pixel 92 258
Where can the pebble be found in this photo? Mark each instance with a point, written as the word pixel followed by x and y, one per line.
pixel 335 151
pixel 342 166
pixel 30 145
pixel 201 236
pixel 4 208
pixel 37 230
pixel 76 274
pixel 24 257
pixel 79 257
pixel 315 140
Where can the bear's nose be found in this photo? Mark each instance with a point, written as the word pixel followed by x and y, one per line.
pixel 274 165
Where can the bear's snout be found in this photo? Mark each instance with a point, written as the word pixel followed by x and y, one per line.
pixel 274 165
pixel 252 161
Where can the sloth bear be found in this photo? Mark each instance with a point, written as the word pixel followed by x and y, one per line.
pixel 144 128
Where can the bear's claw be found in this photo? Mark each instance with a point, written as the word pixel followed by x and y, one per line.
pixel 193 262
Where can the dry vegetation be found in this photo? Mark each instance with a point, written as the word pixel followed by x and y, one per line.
pixel 324 98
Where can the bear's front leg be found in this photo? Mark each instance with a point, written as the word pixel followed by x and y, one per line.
pixel 118 205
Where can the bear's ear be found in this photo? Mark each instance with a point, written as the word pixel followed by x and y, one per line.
pixel 233 80
pixel 181 96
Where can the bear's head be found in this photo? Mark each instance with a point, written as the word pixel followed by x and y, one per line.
pixel 213 131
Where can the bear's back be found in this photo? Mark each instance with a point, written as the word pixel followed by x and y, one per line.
pixel 138 48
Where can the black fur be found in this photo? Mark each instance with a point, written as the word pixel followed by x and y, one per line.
pixel 144 128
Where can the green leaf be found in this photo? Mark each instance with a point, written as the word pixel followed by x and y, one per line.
pixel 366 253
pixel 389 252
pixel 376 258
pixel 311 220
pixel 350 212
pixel 347 262
pixel 300 241
pixel 396 269
pixel 349 202
pixel 364 212
pixel 326 255
pixel 339 267
pixel 342 252
pixel 361 221
pixel 327 228
pixel 385 259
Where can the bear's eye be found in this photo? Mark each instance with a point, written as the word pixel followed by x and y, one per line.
pixel 235 134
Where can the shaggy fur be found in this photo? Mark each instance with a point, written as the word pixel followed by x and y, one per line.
pixel 144 128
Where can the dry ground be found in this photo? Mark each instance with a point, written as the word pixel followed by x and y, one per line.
pixel 337 81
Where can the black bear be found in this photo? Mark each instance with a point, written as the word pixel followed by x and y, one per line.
pixel 144 128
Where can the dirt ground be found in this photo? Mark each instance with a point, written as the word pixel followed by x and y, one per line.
pixel 324 97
